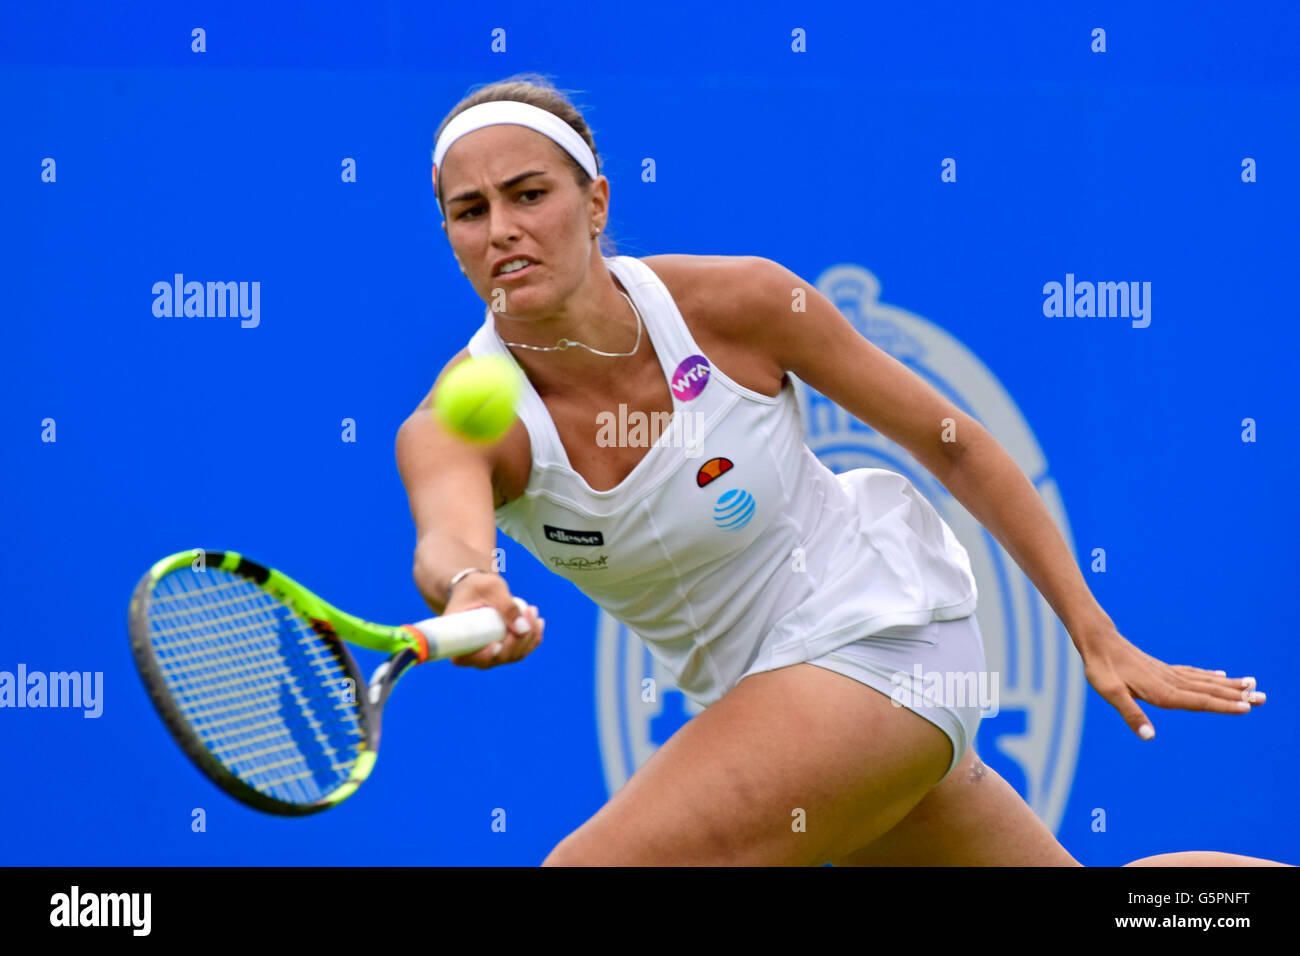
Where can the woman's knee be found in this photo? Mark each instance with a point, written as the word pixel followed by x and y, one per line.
pixel 1203 858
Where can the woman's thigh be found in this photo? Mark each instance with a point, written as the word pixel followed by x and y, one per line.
pixel 792 766
pixel 972 818
pixel 975 818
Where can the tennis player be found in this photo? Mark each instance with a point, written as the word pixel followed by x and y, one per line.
pixel 784 599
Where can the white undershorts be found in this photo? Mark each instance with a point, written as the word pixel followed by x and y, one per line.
pixel 935 670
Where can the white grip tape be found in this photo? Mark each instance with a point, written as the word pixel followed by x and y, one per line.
pixel 461 633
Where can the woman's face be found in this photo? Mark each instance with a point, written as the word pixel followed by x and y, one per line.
pixel 509 192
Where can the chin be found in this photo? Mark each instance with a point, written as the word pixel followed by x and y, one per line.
pixel 525 303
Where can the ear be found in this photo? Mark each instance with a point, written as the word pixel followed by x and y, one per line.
pixel 599 201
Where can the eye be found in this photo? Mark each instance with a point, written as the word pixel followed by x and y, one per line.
pixel 526 192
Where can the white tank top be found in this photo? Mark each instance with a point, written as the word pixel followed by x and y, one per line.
pixel 730 546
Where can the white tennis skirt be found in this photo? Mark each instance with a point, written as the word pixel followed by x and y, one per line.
pixel 936 670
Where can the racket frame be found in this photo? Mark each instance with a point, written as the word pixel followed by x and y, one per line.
pixel 406 645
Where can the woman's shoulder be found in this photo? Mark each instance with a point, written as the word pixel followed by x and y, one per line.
pixel 718 295
pixel 711 282
pixel 722 299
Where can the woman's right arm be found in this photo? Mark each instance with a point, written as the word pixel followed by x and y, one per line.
pixel 449 484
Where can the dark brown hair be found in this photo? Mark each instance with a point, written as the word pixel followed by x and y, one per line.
pixel 535 90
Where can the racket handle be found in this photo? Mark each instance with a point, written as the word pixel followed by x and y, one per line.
pixel 461 633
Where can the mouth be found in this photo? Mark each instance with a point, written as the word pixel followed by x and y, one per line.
pixel 516 271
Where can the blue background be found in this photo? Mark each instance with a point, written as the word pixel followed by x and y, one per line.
pixel 225 165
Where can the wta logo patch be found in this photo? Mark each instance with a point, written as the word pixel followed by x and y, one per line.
pixel 712 469
pixel 690 378
pixel 734 509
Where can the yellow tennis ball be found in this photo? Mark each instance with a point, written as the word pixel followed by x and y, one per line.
pixel 476 399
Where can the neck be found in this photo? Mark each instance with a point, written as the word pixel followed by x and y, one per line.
pixel 597 315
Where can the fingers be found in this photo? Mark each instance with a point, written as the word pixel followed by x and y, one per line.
pixel 1122 701
pixel 1178 688
pixel 523 634
pixel 518 645
pixel 486 657
pixel 1217 678
pixel 521 624
pixel 481 658
pixel 1122 674
pixel 534 638
pixel 1197 689
pixel 1198 670
pixel 1212 699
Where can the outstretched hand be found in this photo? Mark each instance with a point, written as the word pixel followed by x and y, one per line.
pixel 523 635
pixel 1123 674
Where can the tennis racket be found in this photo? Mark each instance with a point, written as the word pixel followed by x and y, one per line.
pixel 250 673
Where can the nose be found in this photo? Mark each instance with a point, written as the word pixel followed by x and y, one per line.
pixel 501 226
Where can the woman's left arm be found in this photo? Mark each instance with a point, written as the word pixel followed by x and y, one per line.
pixel 820 346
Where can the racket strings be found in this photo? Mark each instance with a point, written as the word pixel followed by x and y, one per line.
pixel 269 698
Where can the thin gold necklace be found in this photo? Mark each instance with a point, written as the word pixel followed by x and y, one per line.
pixel 565 343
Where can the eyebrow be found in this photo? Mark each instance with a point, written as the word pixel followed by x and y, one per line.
pixel 501 186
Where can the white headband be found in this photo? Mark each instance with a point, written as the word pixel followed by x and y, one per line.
pixel 517 114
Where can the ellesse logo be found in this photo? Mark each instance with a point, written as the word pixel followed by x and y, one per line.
pixel 712 469
pixel 565 536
